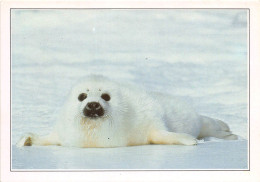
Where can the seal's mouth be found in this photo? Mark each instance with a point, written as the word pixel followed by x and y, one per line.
pixel 93 110
pixel 95 114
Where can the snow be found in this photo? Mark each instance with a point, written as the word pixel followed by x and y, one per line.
pixel 209 155
pixel 198 55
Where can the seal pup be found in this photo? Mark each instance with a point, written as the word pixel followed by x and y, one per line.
pixel 100 112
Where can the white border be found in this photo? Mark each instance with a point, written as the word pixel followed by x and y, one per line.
pixel 252 175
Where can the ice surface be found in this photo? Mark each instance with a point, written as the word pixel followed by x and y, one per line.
pixel 209 155
pixel 198 55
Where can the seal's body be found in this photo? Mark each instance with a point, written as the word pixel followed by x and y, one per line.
pixel 103 113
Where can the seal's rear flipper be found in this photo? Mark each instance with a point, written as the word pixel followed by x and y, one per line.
pixel 215 128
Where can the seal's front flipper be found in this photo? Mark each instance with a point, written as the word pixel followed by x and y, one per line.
pixel 32 139
pixel 169 138
pixel 25 140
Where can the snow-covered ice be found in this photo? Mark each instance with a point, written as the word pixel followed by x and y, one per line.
pixel 198 55
pixel 209 155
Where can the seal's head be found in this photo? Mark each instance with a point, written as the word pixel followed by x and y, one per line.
pixel 93 108
pixel 95 98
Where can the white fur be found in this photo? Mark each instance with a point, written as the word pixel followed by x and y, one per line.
pixel 133 116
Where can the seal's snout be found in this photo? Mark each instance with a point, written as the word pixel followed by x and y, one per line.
pixel 93 105
pixel 93 109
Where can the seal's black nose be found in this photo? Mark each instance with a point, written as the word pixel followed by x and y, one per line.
pixel 93 105
pixel 93 110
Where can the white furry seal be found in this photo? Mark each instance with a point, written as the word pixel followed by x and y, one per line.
pixel 102 113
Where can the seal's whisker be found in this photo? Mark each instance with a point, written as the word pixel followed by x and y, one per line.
pixel 110 120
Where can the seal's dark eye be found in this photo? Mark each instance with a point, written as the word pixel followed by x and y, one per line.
pixel 82 96
pixel 106 97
